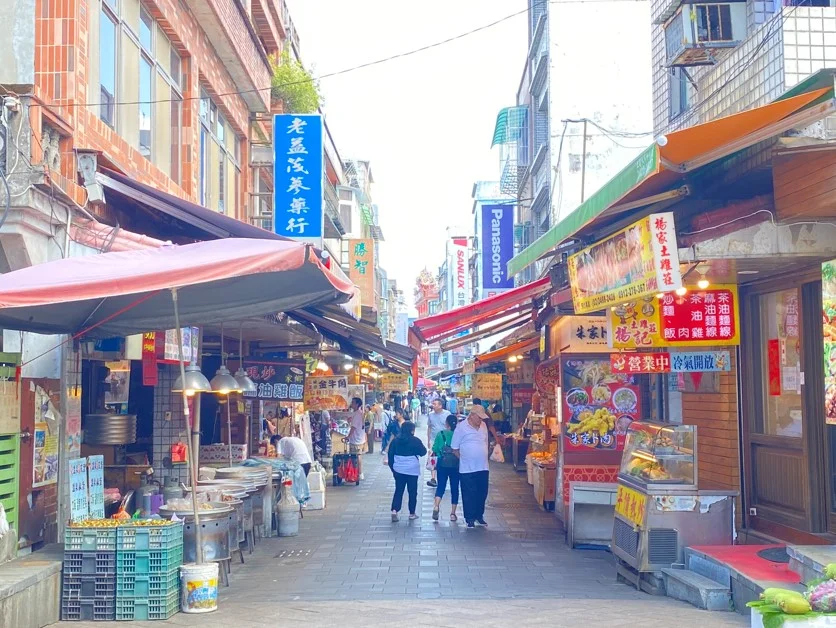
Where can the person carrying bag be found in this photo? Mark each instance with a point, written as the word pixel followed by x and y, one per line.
pixel 447 467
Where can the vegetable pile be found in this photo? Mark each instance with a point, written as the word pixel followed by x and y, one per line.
pixel 779 605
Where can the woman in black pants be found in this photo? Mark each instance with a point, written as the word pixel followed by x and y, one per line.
pixel 405 454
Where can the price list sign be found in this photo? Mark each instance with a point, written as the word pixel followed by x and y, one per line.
pixel 700 317
pixel 79 510
pixel 95 474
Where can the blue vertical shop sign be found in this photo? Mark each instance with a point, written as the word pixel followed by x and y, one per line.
pixel 298 176
pixel 497 246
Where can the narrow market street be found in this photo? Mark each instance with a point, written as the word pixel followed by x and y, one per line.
pixel 351 566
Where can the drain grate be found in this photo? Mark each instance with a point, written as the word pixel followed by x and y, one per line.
pixel 291 556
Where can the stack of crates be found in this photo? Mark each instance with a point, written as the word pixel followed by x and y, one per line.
pixel 148 559
pixel 89 585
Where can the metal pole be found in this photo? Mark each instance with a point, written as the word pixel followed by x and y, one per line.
pixel 189 447
pixel 229 427
pixel 583 163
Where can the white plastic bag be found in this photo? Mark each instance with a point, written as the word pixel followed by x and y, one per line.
pixel 497 455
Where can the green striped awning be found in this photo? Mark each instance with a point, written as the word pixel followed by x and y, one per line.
pixel 509 123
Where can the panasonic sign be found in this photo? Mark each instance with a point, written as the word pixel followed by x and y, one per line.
pixel 497 247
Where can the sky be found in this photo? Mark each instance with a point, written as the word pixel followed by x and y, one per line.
pixel 425 122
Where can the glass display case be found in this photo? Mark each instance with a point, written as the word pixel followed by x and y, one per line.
pixel 656 454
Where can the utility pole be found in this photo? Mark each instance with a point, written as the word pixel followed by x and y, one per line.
pixel 583 163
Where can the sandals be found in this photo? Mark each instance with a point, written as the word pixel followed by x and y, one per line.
pixel 394 517
pixel 412 517
pixel 453 517
pixel 435 514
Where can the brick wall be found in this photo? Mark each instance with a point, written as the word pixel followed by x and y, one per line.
pixel 63 35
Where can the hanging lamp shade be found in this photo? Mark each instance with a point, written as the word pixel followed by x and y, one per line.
pixel 196 382
pixel 246 384
pixel 224 383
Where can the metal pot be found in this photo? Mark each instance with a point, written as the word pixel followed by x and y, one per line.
pixel 214 527
pixel 110 429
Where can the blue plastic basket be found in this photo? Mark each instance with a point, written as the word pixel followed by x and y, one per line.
pixel 89 539
pixel 148 561
pixel 88 610
pixel 147 585
pixel 90 564
pixel 147 537
pixel 88 587
pixel 155 608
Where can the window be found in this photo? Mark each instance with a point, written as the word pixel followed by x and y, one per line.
pixel 146 91
pixel 679 92
pixel 713 22
pixel 107 67
pixel 346 195
pixel 220 160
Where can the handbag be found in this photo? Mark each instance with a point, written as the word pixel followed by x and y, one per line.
pixel 447 459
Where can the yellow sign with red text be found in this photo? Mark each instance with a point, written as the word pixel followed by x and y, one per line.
pixel 630 504
pixel 361 269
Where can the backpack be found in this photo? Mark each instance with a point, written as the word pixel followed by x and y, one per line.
pixel 447 459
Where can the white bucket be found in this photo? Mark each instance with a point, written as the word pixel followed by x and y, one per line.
pixel 199 588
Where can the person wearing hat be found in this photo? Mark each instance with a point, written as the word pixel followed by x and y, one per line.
pixel 470 444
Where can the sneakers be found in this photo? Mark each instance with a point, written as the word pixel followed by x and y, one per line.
pixel 432 483
pixel 482 522
pixel 413 516
pixel 362 477
pixel 470 524
pixel 394 517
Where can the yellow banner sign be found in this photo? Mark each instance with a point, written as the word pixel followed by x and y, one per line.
pixel 393 382
pixel 487 386
pixel 327 393
pixel 361 268
pixel 630 504
pixel 640 260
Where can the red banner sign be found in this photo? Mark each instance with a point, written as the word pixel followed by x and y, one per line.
pixel 522 396
pixel 706 316
pixel 149 359
pixel 773 356
pixel 633 363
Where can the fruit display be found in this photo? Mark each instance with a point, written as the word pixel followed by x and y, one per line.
pixel 600 421
pixel 113 523
pixel 819 598
pixel 822 597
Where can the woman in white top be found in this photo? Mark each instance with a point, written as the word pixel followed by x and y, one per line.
pixel 470 444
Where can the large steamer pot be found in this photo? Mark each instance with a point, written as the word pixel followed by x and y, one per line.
pixel 236 517
pixel 214 528
pixel 243 491
pixel 262 501
pixel 110 429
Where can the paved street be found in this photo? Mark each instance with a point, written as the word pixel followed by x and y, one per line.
pixel 350 565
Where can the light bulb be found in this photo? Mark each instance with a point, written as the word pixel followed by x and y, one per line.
pixel 662 141
pixel 321 366
pixel 703 283
pixel 681 291
pixel 519 357
pixel 348 367
pixel 365 370
pixel 512 359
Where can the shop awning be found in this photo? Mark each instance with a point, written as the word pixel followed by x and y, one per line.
pixel 125 293
pixel 523 347
pixel 448 324
pixel 442 375
pixel 657 173
pixel 355 335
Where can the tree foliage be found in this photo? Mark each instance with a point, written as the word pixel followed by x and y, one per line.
pixel 295 86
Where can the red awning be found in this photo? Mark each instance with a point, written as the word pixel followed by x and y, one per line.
pixel 119 294
pixel 521 347
pixel 457 320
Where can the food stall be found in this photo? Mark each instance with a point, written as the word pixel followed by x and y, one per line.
pixel 659 509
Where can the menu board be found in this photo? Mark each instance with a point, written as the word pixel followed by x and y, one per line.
pixel 276 381
pixel 828 284
pixel 44 457
pixel 598 405
pixel 393 382
pixel 79 510
pixel 95 476
pixel 326 393
pixel 487 386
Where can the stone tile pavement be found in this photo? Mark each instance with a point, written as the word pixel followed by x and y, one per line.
pixel 351 566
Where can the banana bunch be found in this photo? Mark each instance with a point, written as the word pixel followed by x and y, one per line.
pixel 601 421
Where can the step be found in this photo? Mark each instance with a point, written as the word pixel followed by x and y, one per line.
pixel 697 590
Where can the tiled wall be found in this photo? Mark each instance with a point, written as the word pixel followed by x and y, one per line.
pixel 166 433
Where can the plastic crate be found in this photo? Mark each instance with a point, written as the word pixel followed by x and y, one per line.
pixel 149 537
pixel 90 564
pixel 88 610
pixel 89 539
pixel 148 561
pixel 135 609
pixel 89 587
pixel 147 585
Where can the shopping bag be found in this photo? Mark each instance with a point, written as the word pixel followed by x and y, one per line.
pixel 497 455
pixel 432 462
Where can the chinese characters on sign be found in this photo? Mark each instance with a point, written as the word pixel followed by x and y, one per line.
pixel 95 473
pixel 487 386
pixel 276 381
pixel 679 362
pixel 393 382
pixel 361 268
pixel 630 504
pixel 298 175
pixel 638 261
pixel 580 334
pixel 44 456
pixel 640 362
pixel 326 393
pixel 700 317
pixel 635 324
pixel 79 510
pixel 149 359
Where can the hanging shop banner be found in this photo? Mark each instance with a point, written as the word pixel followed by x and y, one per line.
pixel 44 456
pixel 520 373
pixel 598 405
pixel 487 386
pixel 700 362
pixel 522 395
pixel 327 393
pixel 630 504
pixel 701 318
pixel 468 367
pixel 458 275
pixel 79 510
pixel 828 285
pixel 190 337
pixel 275 381
pixel 640 260
pixel 393 382
pixel 150 376
pixel 95 477
pixel 580 334
pixel 497 248
pixel 635 324
pixel 361 268
pixel 635 363
pixel 298 176
pixel 547 376
pixel 773 361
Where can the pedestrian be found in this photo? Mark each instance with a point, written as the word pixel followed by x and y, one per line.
pixel 270 424
pixel 284 425
pixel 390 427
pixel 448 467
pixel 487 419
pixel 368 425
pixel 293 448
pixel 452 404
pixel 357 433
pixel 415 407
pixel 436 420
pixel 405 455
pixel 470 444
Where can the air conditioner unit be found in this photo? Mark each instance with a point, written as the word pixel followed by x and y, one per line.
pixel 697 33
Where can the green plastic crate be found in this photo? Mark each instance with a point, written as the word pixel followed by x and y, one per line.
pixel 155 608
pixel 148 561
pixel 89 539
pixel 147 585
pixel 146 537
